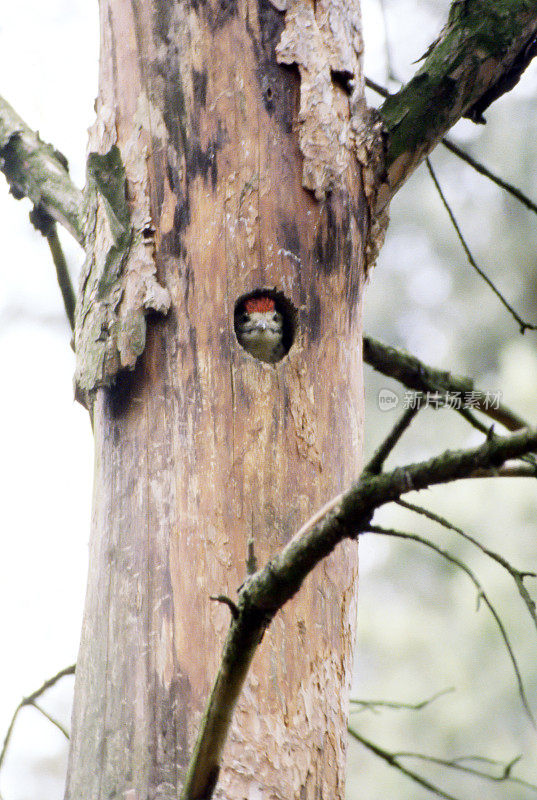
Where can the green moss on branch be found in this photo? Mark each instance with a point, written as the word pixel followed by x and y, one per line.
pixel 480 54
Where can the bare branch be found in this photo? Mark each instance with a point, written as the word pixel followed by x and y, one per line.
pixel 415 374
pixel 471 260
pixel 30 701
pixel 504 775
pixel 50 718
pixel 374 467
pixel 373 705
pixel 481 594
pixel 472 420
pixel 44 223
pixel 264 593
pixel 62 274
pixel 487 173
pixel 517 574
pixel 391 759
pixel 35 170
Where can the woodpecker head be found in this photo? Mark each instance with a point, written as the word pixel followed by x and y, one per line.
pixel 259 328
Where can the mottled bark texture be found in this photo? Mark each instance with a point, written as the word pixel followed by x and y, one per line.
pixel 479 55
pixel 36 170
pixel 202 452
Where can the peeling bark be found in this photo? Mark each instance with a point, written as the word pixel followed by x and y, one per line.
pixel 324 40
pixel 118 284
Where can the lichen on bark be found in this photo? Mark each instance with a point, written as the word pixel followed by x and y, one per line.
pixel 38 171
pixel 118 285
pixel 480 53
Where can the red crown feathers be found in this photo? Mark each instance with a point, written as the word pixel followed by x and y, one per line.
pixel 259 304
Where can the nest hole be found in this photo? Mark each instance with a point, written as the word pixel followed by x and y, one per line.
pixel 266 300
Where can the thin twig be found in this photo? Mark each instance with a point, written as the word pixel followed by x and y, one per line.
pixel 517 574
pixel 376 87
pixel 481 596
pixel 30 700
pixel 523 325
pixel 472 420
pixel 455 763
pixel 374 467
pixel 392 758
pixel 372 705
pixel 392 761
pixel 226 601
pixel 50 718
pixel 44 223
pixel 62 273
pixel 508 187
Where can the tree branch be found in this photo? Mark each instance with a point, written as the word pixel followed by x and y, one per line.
pixel 471 260
pixel 62 274
pixel 472 162
pixel 480 54
pixel 30 701
pixel 35 170
pixel 50 718
pixel 517 575
pixel 513 470
pixel 504 775
pixel 487 173
pixel 375 465
pixel 414 374
pixel 481 595
pixel 44 223
pixel 270 588
pixel 393 759
pixel 373 705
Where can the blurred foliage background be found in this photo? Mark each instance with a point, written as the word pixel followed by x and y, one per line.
pixel 419 631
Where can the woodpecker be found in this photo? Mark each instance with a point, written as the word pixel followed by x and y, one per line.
pixel 259 328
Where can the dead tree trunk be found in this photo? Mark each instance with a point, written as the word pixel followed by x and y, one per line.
pixel 205 455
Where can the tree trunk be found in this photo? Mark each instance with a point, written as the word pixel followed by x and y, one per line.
pixel 203 453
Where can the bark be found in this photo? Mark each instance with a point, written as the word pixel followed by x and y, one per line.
pixel 204 453
pixel 344 516
pixel 480 54
pixel 36 170
pixel 232 153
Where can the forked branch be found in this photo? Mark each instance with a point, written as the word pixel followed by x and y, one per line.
pixel 261 597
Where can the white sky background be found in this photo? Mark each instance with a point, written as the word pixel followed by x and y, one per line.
pixel 49 64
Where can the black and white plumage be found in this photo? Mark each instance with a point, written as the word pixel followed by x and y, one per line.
pixel 260 329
